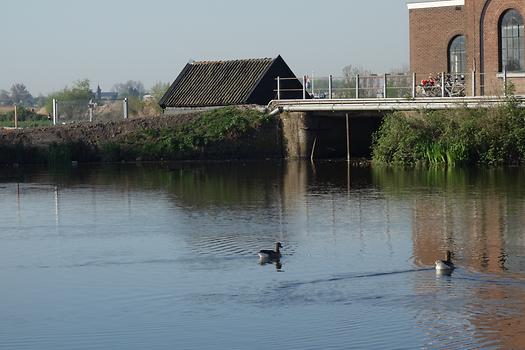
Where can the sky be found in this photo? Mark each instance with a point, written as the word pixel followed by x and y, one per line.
pixel 49 44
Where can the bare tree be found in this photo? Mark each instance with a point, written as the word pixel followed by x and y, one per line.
pixel 351 71
pixel 130 88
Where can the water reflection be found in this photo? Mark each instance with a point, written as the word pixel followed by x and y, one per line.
pixel 359 241
pixel 479 215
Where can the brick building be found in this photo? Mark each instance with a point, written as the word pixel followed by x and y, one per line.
pixel 462 36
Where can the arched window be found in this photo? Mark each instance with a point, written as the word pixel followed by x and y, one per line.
pixel 457 62
pixel 511 42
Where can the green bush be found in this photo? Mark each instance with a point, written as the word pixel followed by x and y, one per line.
pixel 26 118
pixel 213 133
pixel 492 136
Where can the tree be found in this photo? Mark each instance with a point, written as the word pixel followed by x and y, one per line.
pixel 40 100
pixel 158 90
pixel 20 95
pixel 351 71
pixel 5 98
pixel 130 88
pixel 73 102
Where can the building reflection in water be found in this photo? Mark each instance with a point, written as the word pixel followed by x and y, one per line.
pixel 480 226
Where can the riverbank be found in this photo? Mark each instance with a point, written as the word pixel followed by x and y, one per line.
pixel 494 136
pixel 227 133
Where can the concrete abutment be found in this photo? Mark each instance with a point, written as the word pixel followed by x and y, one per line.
pixel 327 132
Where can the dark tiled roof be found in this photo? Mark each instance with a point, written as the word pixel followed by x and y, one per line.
pixel 220 83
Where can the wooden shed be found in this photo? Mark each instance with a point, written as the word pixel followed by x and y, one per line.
pixel 237 82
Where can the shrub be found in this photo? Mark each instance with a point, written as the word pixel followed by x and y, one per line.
pixel 463 136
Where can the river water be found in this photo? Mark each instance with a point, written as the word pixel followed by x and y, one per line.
pixel 165 257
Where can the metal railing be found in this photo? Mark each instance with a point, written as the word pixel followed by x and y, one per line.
pixel 89 111
pixel 404 85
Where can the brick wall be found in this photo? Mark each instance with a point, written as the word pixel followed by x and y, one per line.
pixel 430 33
pixel 432 29
pixel 494 11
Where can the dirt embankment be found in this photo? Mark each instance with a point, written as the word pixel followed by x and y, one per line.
pixel 95 134
pixel 160 138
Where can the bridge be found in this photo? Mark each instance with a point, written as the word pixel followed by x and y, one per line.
pixel 386 104
pixel 344 128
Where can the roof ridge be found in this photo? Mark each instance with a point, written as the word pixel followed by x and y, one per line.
pixel 263 59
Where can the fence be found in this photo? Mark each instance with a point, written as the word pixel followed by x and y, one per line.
pixel 404 85
pixel 76 111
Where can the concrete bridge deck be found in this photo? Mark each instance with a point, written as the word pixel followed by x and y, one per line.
pixel 386 104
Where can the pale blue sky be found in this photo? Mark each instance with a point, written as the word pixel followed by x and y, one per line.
pixel 48 44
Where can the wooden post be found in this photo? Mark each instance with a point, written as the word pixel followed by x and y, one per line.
pixel 347 138
pixel 348 179
pixel 312 155
pixel 16 117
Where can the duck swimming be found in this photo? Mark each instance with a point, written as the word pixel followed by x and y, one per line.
pixel 445 265
pixel 271 255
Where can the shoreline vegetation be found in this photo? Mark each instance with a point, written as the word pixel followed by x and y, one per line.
pixel 484 136
pixel 226 133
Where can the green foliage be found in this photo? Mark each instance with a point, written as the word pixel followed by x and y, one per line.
pixel 215 133
pixel 19 153
pixel 464 136
pixel 64 153
pixel 80 92
pixel 26 118
pixel 20 95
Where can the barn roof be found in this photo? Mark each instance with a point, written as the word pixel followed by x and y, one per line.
pixel 225 83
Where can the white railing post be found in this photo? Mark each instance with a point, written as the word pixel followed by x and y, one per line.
pixel 473 83
pixel 385 86
pixel 55 112
pixel 505 81
pixel 126 108
pixel 442 84
pixel 414 83
pixel 330 79
pixel 304 87
pixel 313 85
pixel 278 88
pixel 357 86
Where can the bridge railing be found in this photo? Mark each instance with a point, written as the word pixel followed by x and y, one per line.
pixel 403 85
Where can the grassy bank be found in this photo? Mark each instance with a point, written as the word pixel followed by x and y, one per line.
pixel 218 134
pixel 494 136
pixel 26 118
pixel 228 133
